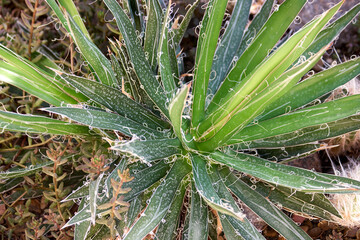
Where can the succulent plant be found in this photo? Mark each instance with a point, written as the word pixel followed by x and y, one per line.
pixel 193 154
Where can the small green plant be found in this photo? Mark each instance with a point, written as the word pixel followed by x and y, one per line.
pixel 217 135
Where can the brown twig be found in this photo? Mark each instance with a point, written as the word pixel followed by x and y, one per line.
pixel 3 215
pixel 72 54
pixel 27 147
pixel 32 28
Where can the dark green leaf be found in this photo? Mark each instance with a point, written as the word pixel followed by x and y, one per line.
pixel 143 179
pixel 205 188
pixel 242 227
pixel 163 56
pixel 287 176
pixel 198 223
pixel 152 33
pixel 180 31
pixel 106 120
pixel 150 150
pixel 93 55
pixel 315 204
pixel 160 201
pixel 168 226
pixel 116 101
pixel 137 56
pixel 264 208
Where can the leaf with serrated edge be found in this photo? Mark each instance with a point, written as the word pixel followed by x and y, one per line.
pixel 150 150
pixel 152 32
pixel 180 31
pixel 115 100
pixel 287 176
pixel 92 54
pixel 332 31
pixel 160 201
pixel 106 120
pixel 138 59
pixel 302 118
pixel 206 190
pixel 82 229
pixel 93 195
pixel 229 44
pixel 168 226
pixel 234 229
pixel 198 223
pixel 315 204
pixel 163 56
pixel 264 208
pixel 244 228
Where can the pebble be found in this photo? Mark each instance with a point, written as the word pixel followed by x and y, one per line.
pixel 351 233
pixel 305 228
pixel 324 225
pixel 315 232
pixel 269 232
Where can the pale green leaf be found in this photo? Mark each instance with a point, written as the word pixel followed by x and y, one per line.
pixel 39 124
pixel 229 44
pixel 259 48
pixel 306 135
pixel 320 114
pixel 312 88
pixel 208 39
pixel 176 109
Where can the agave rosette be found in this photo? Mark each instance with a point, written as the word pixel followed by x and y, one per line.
pixel 246 97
